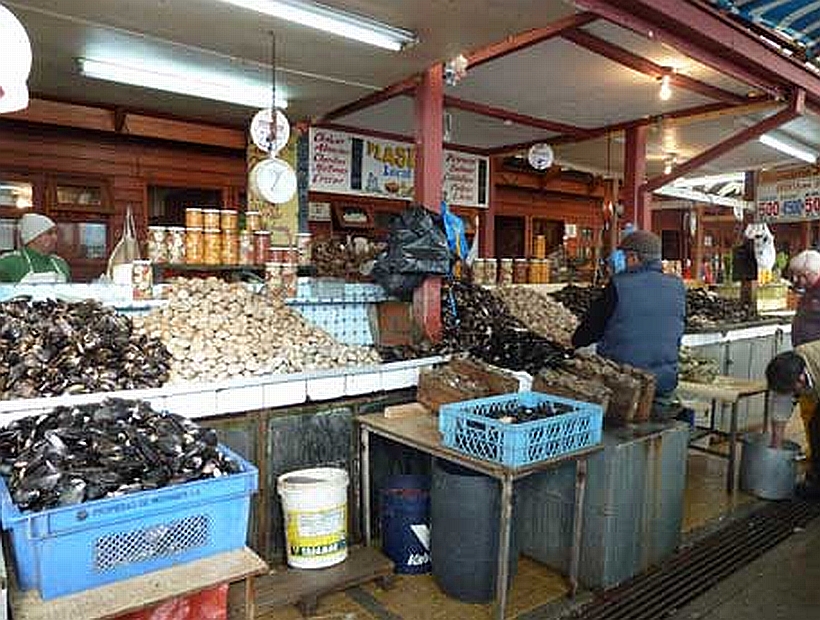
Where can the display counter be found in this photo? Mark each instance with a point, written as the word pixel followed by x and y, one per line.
pixel 742 352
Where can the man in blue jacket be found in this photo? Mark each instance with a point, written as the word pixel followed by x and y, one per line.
pixel 640 317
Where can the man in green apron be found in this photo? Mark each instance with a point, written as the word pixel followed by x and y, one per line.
pixel 36 262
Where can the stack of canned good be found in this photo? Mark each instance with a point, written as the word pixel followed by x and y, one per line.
pixel 504 271
pixel 210 237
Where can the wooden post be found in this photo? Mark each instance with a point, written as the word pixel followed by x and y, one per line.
pixel 487 239
pixel 635 203
pixel 429 118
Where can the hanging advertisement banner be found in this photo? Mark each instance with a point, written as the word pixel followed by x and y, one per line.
pixel 346 163
pixel 789 200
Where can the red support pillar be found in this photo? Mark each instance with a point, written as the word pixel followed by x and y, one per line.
pixel 636 205
pixel 429 120
pixel 487 240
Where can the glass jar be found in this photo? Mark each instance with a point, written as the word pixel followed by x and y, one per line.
pixel 477 271
pixel 193 246
pixel 505 271
pixel 210 219
pixel 273 277
pixel 490 271
pixel 278 254
pixel 246 254
pixel 175 244
pixel 229 219
pixel 193 217
pixel 253 221
pixel 520 271
pixel 157 251
pixel 230 247
pixel 303 246
pixel 211 246
pixel 142 279
pixel 288 279
pixel 261 246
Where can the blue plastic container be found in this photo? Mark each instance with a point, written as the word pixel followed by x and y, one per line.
pixel 466 427
pixel 73 548
pixel 405 523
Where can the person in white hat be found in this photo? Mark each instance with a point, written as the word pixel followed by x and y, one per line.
pixel 35 262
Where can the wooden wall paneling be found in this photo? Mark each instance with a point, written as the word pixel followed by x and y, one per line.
pixel 152 127
pixel 66 114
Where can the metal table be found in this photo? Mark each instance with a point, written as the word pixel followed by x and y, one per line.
pixel 421 432
pixel 727 390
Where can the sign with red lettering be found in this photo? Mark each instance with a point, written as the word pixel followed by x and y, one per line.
pixel 789 200
pixel 346 163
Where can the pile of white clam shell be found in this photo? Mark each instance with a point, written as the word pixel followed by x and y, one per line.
pixel 217 330
pixel 539 312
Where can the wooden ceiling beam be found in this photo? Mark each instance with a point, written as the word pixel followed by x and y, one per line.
pixel 515 117
pixel 527 39
pixel 647 67
pixel 405 87
pixel 796 107
pixel 709 111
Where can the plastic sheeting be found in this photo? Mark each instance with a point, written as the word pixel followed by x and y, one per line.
pixel 210 604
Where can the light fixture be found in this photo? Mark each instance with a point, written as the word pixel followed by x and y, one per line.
pixel 13 97
pixel 334 21
pixel 665 92
pixel 788 148
pixel 252 94
pixel 668 163
pixel 15 49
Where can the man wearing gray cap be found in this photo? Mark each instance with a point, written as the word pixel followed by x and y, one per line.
pixel 35 262
pixel 640 317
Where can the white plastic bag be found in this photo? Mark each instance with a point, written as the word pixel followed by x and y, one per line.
pixel 127 249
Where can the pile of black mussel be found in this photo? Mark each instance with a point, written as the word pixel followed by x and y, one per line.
pixel 577 299
pixel 53 347
pixel 476 321
pixel 517 413
pixel 705 309
pixel 78 454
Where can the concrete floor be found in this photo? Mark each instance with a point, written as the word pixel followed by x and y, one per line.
pixel 780 585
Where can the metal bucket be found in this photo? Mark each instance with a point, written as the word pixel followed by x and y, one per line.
pixel 766 472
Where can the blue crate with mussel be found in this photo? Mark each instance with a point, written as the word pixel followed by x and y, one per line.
pixel 94 494
pixel 521 428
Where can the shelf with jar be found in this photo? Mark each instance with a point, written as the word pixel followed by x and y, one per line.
pixel 211 242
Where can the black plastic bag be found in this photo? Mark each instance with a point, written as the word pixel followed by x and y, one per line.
pixel 416 248
pixel 399 285
pixel 744 263
pixel 417 243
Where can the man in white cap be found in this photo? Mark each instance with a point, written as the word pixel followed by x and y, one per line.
pixel 804 270
pixel 36 262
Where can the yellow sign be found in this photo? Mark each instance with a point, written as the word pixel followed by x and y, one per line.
pixel 281 219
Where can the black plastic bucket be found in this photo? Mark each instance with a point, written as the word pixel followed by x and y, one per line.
pixel 464 525
pixel 405 523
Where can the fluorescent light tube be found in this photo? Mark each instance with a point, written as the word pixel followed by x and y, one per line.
pixel 711 179
pixel 335 21
pixel 229 90
pixel 788 149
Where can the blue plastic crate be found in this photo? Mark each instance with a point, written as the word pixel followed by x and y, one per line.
pixel 73 548
pixel 466 428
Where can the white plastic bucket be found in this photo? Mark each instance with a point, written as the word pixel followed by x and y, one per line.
pixel 314 503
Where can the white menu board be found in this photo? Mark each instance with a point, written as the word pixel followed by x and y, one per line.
pixel 346 163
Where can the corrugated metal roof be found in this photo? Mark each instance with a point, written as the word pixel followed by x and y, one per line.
pixel 796 20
